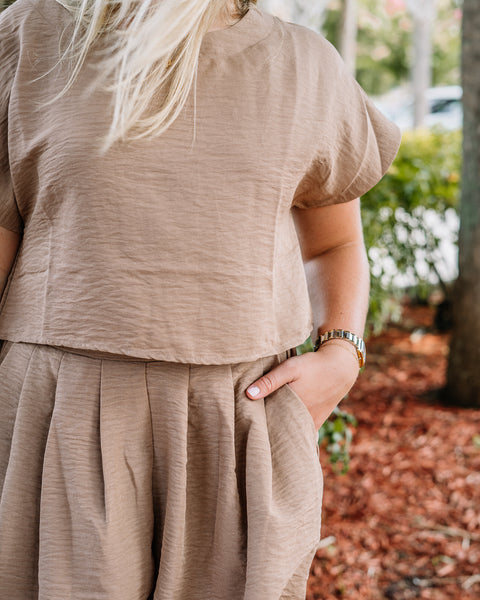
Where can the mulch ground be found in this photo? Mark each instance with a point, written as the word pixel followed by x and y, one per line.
pixel 404 522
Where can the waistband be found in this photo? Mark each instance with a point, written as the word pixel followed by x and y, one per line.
pixel 108 355
pixel 102 354
pixel 90 353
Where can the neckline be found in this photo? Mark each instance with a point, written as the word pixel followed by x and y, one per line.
pixel 250 29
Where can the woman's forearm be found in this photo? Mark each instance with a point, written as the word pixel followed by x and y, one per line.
pixel 338 282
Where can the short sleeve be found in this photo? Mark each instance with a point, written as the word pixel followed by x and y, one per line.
pixel 354 143
pixel 9 214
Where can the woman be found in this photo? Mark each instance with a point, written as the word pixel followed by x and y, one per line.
pixel 179 210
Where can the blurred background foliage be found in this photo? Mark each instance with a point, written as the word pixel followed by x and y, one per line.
pixel 384 50
pixel 405 219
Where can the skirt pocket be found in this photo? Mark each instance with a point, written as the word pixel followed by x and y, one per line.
pixel 301 407
pixel 304 410
pixel 283 488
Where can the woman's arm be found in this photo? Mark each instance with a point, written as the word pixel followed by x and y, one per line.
pixel 9 242
pixel 336 265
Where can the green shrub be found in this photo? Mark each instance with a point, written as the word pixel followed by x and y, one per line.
pixel 336 434
pixel 424 177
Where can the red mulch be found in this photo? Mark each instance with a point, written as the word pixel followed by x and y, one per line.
pixel 404 522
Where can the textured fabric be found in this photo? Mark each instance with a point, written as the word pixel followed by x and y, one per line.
pixel 146 480
pixel 176 249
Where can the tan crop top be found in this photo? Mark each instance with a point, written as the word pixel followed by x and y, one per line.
pixel 164 249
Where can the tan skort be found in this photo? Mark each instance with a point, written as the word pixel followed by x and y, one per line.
pixel 127 479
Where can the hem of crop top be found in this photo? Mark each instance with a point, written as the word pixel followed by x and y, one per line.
pixel 170 355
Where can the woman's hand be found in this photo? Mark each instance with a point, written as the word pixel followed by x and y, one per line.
pixel 321 379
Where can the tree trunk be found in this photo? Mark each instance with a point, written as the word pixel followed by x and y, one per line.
pixel 348 38
pixel 463 377
pixel 422 68
pixel 423 12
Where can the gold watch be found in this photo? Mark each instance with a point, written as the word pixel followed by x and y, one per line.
pixel 341 334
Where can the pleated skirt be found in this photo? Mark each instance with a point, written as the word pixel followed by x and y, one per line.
pixel 130 479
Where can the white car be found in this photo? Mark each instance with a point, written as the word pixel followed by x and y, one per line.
pixel 445 107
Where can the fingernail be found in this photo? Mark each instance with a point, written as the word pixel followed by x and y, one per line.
pixel 253 390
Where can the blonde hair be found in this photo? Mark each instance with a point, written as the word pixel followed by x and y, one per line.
pixel 151 44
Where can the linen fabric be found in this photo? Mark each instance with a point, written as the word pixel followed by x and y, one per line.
pixel 125 479
pixel 182 248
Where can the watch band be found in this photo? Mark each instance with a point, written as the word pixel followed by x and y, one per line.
pixel 341 334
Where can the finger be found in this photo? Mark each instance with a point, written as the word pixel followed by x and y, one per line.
pixel 270 382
